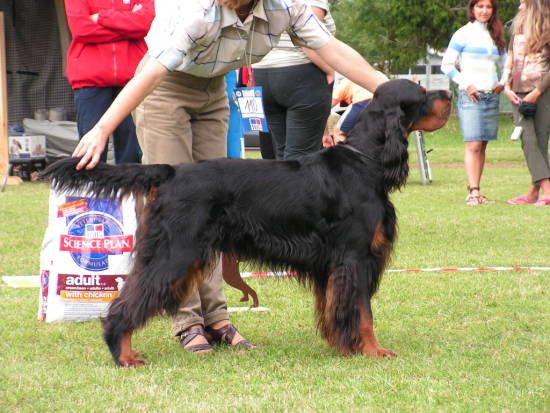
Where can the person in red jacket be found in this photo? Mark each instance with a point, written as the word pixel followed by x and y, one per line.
pixel 107 45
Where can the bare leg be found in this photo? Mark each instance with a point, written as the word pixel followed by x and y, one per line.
pixel 474 161
pixel 544 184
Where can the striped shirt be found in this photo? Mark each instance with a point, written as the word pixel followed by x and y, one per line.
pixel 201 38
pixel 472 58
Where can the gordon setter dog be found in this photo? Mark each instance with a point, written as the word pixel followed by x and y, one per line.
pixel 327 217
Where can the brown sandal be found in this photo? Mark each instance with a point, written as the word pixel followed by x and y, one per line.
pixel 188 335
pixel 225 335
pixel 483 200
pixel 476 199
pixel 472 200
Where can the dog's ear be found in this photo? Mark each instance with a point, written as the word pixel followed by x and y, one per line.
pixel 394 155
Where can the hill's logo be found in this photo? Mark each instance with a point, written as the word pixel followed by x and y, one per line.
pixel 92 237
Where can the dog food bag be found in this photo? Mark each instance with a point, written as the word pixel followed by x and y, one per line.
pixel 85 255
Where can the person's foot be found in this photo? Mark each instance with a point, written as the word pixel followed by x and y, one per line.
pixel 522 199
pixel 474 197
pixel 225 332
pixel 194 340
pixel 542 201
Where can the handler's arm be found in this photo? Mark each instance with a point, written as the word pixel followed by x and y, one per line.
pixel 351 64
pixel 92 144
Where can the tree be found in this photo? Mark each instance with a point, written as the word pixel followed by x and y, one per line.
pixel 394 34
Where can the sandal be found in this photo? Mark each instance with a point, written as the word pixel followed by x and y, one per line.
pixel 226 334
pixel 476 199
pixel 542 201
pixel 520 200
pixel 188 335
pixel 483 200
pixel 472 200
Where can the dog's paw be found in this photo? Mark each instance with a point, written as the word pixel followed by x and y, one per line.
pixel 386 353
pixel 377 352
pixel 132 363
pixel 135 359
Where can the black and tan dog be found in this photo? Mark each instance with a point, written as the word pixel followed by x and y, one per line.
pixel 327 217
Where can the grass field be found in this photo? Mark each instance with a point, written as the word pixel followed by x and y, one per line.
pixel 467 341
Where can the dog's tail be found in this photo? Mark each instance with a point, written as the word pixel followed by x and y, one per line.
pixel 106 181
pixel 395 157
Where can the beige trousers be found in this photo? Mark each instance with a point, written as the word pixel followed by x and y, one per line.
pixel 185 119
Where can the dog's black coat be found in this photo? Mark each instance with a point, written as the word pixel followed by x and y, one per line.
pixel 326 216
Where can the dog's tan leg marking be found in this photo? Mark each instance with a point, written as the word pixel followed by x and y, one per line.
pixel 129 357
pixel 381 244
pixel 379 241
pixel 193 278
pixel 369 345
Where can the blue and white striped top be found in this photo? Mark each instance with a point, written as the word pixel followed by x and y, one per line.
pixel 472 58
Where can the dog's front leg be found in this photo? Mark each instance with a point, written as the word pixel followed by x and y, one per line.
pixel 128 357
pixel 369 345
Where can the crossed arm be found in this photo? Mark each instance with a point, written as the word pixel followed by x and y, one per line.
pixel 108 26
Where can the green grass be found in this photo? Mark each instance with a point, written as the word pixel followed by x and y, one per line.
pixel 467 341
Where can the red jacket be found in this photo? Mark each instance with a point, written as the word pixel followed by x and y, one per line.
pixel 106 53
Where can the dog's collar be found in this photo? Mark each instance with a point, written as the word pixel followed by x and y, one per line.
pixel 354 149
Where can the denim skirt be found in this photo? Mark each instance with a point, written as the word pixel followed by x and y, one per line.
pixel 478 121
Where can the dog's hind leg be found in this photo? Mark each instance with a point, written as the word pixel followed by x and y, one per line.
pixel 145 294
pixel 117 333
pixel 119 325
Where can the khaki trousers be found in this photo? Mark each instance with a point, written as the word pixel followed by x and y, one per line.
pixel 185 119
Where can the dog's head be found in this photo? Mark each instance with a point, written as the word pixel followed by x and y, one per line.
pixel 404 106
pixel 415 107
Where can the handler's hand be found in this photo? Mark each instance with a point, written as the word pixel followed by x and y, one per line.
pixel 327 141
pixel 90 148
pixel 337 137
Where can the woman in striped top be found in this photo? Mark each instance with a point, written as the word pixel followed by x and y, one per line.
pixel 471 60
